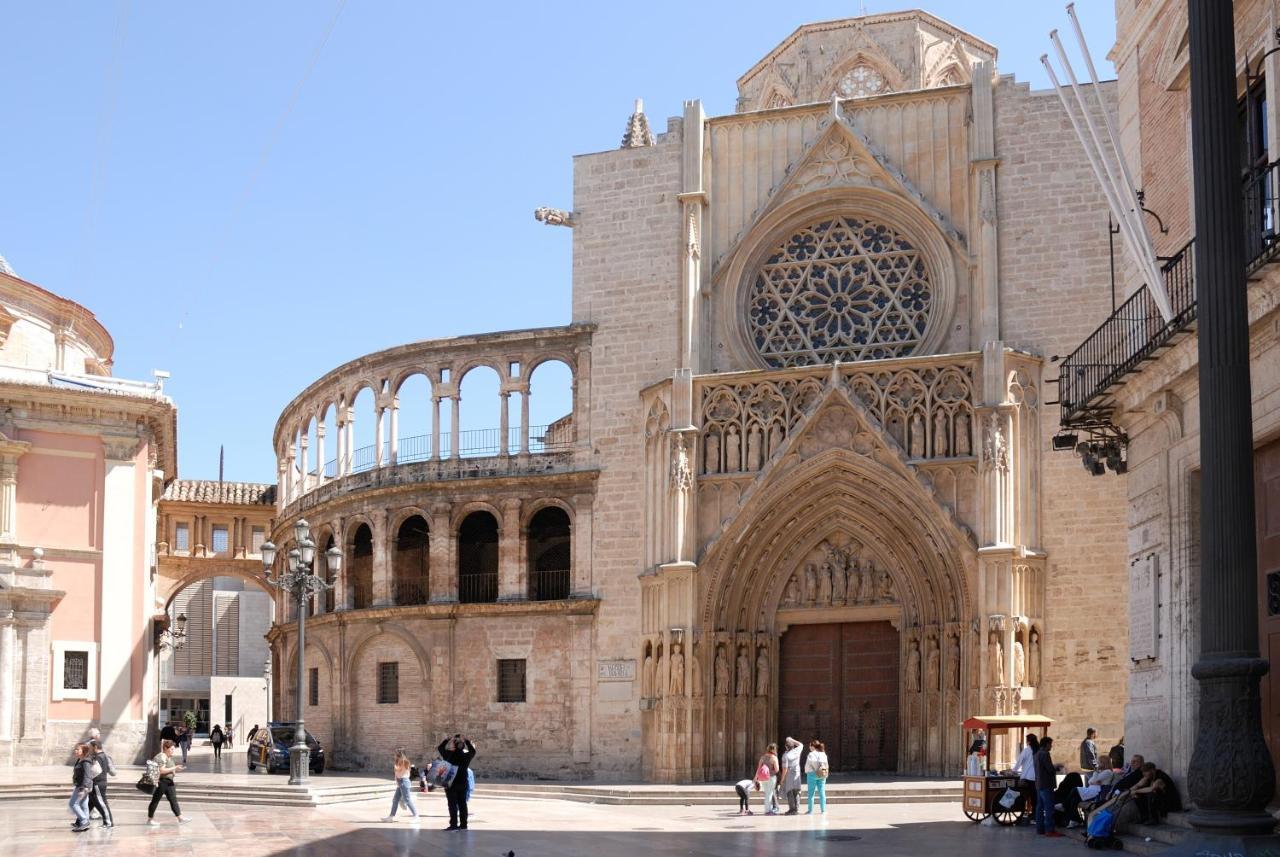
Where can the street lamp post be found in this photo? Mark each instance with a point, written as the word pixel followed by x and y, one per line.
pixel 298 580
pixel 167 640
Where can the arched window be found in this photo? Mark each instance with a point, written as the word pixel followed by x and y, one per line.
pixel 411 561
pixel 361 568
pixel 860 81
pixel 478 558
pixel 549 555
pixel 844 289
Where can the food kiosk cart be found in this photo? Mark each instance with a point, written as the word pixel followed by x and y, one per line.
pixel 983 789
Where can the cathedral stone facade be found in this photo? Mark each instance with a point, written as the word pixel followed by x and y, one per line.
pixel 804 487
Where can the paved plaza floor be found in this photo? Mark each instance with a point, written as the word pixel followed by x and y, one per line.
pixel 530 828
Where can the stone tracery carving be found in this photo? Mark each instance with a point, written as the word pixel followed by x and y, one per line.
pixel 842 289
pixel 840 578
pixel 861 81
pixel 836 163
pixel 940 396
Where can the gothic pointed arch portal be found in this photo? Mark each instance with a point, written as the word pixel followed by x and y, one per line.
pixel 842 538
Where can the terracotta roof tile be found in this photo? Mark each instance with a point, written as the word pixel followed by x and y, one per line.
pixel 212 491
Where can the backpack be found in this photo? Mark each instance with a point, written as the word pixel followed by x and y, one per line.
pixel 823 770
pixel 1102 824
pixel 763 774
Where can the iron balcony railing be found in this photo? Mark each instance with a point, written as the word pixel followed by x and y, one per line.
pixel 477 587
pixel 472 443
pixel 1136 331
pixel 549 585
pixel 412 590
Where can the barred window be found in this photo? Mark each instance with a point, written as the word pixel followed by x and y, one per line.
pixel 388 683
pixel 182 537
pixel 511 685
pixel 220 541
pixel 259 536
pixel 313 686
pixel 75 670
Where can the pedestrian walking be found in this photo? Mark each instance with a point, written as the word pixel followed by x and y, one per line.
pixel 459 752
pixel 1046 781
pixel 81 785
pixel 767 778
pixel 165 768
pixel 98 786
pixel 744 789
pixel 252 732
pixel 169 733
pixel 185 734
pixel 402 767
pixel 817 769
pixel 790 776
pixel 216 738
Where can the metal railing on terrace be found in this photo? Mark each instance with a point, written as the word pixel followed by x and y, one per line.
pixel 1135 332
pixel 472 443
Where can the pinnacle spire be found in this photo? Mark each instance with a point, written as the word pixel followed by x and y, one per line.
pixel 638 132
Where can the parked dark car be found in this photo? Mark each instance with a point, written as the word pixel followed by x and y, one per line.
pixel 282 733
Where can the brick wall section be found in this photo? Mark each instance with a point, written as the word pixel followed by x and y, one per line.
pixel 626 279
pixel 1054 290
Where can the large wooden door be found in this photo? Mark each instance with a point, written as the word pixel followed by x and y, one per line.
pixel 839 683
pixel 1266 485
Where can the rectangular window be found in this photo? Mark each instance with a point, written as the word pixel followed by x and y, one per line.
pixel 75 670
pixel 182 537
pixel 511 680
pixel 388 683
pixel 220 541
pixel 258 537
pixel 313 686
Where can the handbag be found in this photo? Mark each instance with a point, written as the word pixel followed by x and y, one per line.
pixel 146 784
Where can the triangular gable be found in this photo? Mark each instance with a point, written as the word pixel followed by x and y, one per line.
pixel 953 57
pixel 867 50
pixel 842 156
pixel 838 420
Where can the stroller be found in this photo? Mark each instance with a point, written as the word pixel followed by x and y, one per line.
pixel 1100 828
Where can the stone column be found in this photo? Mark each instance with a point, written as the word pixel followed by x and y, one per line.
pixel 394 439
pixel 580 559
pixel 9 453
pixel 320 462
pixel 443 554
pixel 302 464
pixel 510 542
pixel 382 589
pixel 378 427
pixel 7 672
pixel 524 420
pixel 455 404
pixel 504 427
pixel 1231 778
pixel 435 428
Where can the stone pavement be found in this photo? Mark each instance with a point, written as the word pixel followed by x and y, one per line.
pixel 531 828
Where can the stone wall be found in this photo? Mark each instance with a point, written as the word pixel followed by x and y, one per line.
pixel 626 281
pixel 1054 290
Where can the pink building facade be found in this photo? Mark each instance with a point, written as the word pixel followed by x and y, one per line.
pixel 83 460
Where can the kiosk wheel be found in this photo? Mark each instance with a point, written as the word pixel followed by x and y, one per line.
pixel 1007 817
pixel 974 816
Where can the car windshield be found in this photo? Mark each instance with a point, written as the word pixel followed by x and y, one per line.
pixel 284 735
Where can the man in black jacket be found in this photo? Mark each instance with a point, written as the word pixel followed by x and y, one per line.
pixel 457 751
pixel 1046 780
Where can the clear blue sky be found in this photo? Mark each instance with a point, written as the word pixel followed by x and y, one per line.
pixel 153 170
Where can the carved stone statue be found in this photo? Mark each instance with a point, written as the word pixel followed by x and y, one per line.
pixel 722 672
pixel 933 667
pixel 753 448
pixel 917 437
pixel 860 585
pixel 646 676
pixel 791 596
pixel 995 446
pixel 940 435
pixel 810 583
pixel 953 662
pixel 744 672
pixel 824 584
pixel 963 445
pixel 913 667
pixel 732 458
pixel 884 586
pixel 838 588
pixel 997 661
pixel 681 472
pixel 711 453
pixel 1019 664
pixel 775 438
pixel 677 671
pixel 657 674
pixel 554 217
pixel 1033 660
pixel 695 673
pixel 762 672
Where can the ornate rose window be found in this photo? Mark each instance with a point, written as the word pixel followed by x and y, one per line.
pixel 861 81
pixel 843 289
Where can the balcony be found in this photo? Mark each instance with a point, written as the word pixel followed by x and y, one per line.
pixel 1136 332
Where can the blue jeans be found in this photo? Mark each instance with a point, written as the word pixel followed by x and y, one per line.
pixel 405 794
pixel 1044 810
pixel 79 805
pixel 818 785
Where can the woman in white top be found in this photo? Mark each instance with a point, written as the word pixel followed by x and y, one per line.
pixel 1025 768
pixel 816 769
